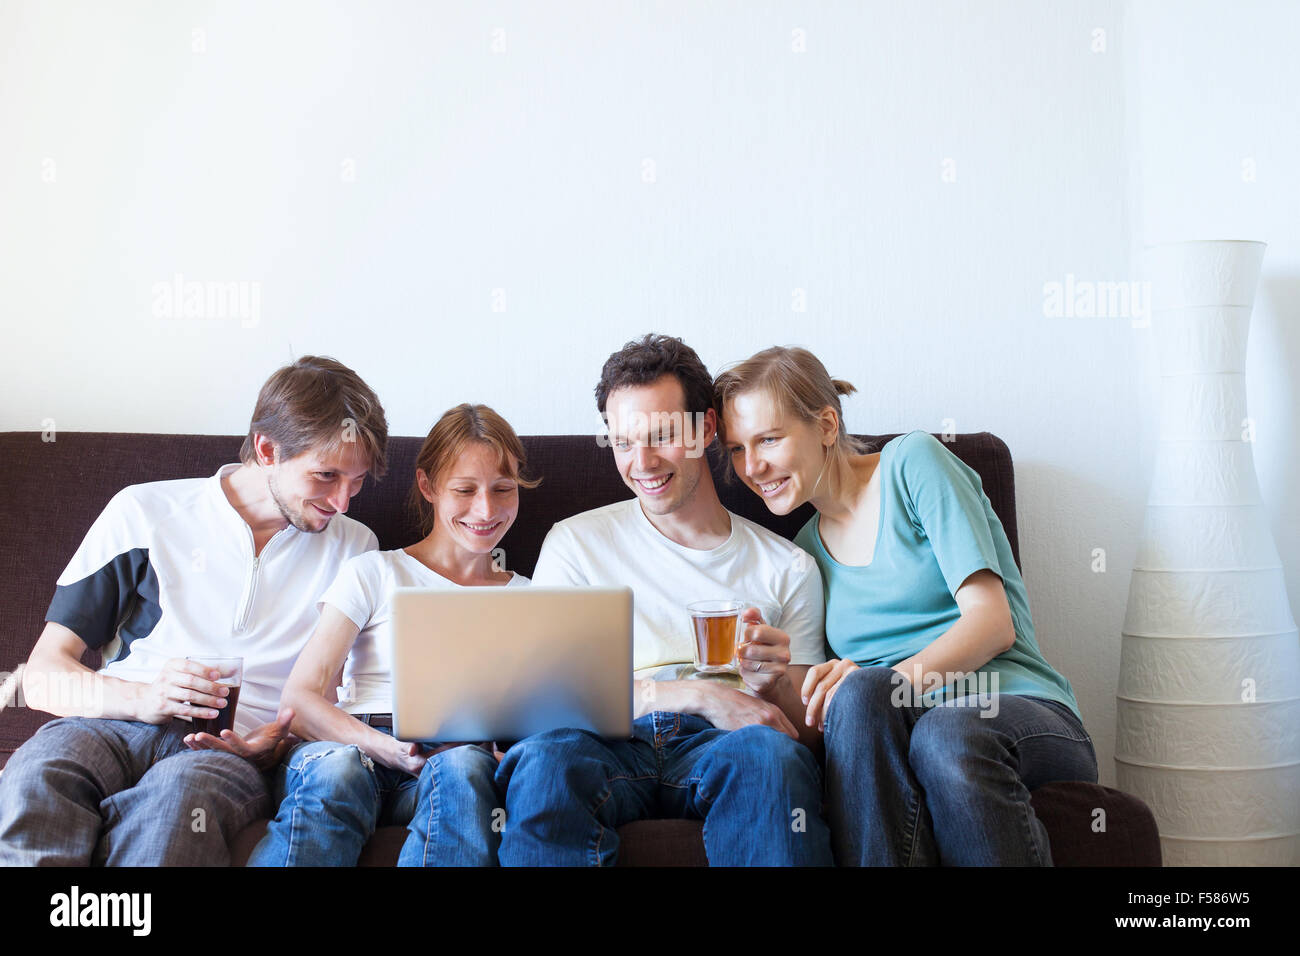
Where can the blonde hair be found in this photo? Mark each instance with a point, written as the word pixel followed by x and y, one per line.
pixel 797 384
pixel 456 429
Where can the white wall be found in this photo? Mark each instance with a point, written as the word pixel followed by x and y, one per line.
pixel 524 170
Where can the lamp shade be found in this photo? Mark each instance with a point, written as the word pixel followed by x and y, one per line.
pixel 1208 708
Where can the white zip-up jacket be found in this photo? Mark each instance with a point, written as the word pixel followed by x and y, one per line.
pixel 167 570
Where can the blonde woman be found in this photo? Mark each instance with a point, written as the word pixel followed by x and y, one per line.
pixel 352 775
pixel 939 712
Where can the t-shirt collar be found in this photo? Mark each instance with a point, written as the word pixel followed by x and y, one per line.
pixel 696 555
pixel 223 505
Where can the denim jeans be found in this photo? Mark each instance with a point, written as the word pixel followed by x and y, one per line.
pixel 757 790
pixel 332 797
pixel 949 784
pixel 87 791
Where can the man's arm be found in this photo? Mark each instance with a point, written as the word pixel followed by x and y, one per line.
pixel 56 682
pixel 775 660
pixel 765 667
pixel 785 694
pixel 724 707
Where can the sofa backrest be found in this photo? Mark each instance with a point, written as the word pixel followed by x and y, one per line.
pixel 53 491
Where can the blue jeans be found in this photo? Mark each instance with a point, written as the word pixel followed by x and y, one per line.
pixel 920 786
pixel 88 790
pixel 332 798
pixel 757 791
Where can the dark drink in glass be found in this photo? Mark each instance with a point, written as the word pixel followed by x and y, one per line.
pixel 225 719
pixel 232 676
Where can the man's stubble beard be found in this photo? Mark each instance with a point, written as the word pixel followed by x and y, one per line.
pixel 295 519
pixel 685 496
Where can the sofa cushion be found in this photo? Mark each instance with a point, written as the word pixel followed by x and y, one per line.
pixel 1067 809
pixel 1092 825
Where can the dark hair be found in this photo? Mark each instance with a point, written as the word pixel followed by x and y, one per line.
pixel 319 402
pixel 456 429
pixel 646 360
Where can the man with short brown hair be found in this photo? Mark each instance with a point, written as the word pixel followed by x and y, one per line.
pixel 736 756
pixel 225 566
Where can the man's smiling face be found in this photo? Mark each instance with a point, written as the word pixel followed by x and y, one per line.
pixel 310 488
pixel 658 446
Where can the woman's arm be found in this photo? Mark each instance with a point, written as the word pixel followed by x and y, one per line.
pixel 984 630
pixel 310 691
pixel 950 508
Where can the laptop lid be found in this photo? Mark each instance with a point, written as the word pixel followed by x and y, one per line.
pixel 493 663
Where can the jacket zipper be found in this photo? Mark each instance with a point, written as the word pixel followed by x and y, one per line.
pixel 250 592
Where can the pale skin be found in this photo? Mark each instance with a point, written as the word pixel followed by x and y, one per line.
pixel 474 506
pixel 786 462
pixel 311 487
pixel 677 495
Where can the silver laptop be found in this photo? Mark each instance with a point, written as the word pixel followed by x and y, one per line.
pixel 506 663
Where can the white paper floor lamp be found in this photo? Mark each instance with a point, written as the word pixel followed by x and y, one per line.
pixel 1208 725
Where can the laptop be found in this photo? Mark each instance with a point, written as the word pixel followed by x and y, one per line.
pixel 486 663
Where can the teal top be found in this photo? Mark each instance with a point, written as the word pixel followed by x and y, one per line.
pixel 937 528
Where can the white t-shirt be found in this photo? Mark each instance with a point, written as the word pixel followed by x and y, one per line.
pixel 618 546
pixel 363 591
pixel 168 570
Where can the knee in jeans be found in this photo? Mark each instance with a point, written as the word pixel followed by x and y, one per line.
pixel 561 763
pixel 28 777
pixel 554 747
pixel 765 751
pixel 947 739
pixel 322 761
pixel 210 785
pixel 205 771
pixel 467 761
pixel 53 748
pixel 863 690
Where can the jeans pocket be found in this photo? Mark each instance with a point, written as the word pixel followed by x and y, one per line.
pixel 1072 727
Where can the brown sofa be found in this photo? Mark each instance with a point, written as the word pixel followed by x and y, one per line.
pixel 54 490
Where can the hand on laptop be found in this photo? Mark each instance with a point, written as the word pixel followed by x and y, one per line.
pixel 263 748
pixel 764 653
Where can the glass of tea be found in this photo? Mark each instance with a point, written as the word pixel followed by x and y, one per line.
pixel 232 675
pixel 715 626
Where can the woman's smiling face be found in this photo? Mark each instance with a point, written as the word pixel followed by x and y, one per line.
pixel 779 457
pixel 476 503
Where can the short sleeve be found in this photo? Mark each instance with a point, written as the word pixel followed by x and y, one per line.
pixel 107 576
pixel 803 612
pixel 557 565
pixel 357 589
pixel 948 503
